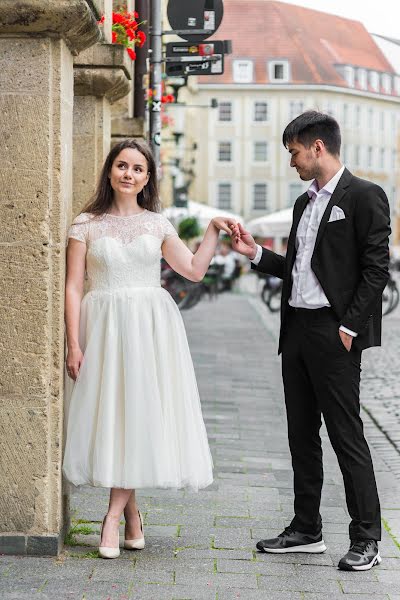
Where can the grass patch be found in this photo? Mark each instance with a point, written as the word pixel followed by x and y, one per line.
pixel 79 529
pixel 91 554
pixel 389 530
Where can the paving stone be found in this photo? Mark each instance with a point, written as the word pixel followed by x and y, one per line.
pixel 251 497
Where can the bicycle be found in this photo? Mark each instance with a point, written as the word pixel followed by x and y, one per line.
pixel 271 293
pixel 390 296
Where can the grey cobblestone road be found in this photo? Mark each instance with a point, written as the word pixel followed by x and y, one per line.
pixel 202 546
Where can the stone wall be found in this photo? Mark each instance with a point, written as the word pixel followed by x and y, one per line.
pixel 37 42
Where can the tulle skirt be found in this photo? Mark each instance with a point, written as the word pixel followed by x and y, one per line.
pixel 133 416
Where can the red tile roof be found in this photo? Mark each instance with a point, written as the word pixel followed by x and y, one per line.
pixel 313 42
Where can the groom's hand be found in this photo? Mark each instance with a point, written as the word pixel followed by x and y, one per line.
pixel 244 243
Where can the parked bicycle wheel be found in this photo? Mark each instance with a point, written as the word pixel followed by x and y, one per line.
pixel 390 297
pixel 274 299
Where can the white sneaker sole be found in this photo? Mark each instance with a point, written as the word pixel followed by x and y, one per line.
pixel 316 548
pixel 375 561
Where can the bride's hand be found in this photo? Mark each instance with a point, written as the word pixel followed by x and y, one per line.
pixel 226 224
pixel 73 362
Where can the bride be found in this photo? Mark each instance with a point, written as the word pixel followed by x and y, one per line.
pixel 134 416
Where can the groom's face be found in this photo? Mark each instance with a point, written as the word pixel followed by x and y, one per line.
pixel 304 160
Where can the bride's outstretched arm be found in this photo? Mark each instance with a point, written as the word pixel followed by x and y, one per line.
pixel 76 254
pixel 194 266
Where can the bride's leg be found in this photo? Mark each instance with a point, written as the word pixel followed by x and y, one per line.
pixel 133 529
pixel 118 499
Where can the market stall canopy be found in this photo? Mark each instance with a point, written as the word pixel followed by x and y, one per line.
pixel 203 213
pixel 276 224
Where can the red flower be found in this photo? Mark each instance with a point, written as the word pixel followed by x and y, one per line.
pixel 101 20
pixel 131 53
pixel 136 15
pixel 113 37
pixel 141 36
pixel 130 33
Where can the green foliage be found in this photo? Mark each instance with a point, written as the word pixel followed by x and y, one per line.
pixel 189 228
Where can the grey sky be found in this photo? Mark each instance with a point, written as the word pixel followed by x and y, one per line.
pixel 378 16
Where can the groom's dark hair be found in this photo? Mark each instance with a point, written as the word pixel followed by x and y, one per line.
pixel 313 125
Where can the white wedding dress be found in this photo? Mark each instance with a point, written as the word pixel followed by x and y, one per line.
pixel 133 416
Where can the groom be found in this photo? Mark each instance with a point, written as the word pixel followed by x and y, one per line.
pixel 334 273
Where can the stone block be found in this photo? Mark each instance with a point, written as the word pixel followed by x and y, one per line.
pixel 74 20
pixel 24 463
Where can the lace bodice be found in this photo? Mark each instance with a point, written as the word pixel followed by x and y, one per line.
pixel 122 252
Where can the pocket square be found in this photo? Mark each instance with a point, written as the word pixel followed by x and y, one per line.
pixel 336 214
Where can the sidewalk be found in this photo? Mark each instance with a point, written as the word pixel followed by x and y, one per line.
pixel 202 546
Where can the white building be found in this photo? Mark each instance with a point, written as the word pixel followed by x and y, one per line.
pixel 287 59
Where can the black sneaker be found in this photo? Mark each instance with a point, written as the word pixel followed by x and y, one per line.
pixel 362 556
pixel 293 541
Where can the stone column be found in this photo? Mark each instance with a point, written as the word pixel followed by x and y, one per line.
pixel 38 39
pixel 102 75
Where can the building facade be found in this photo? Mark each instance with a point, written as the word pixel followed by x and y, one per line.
pixel 280 68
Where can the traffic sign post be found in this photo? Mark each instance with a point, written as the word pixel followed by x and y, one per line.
pixel 195 20
pixel 183 58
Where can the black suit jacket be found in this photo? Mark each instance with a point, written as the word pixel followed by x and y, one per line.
pixel 350 258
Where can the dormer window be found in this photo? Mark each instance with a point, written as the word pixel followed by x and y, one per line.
pixel 374 81
pixel 243 71
pixel 348 74
pixel 362 78
pixel 278 71
pixel 387 83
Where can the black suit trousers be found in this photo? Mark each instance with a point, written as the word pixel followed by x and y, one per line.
pixel 322 378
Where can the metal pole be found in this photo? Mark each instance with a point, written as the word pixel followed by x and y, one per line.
pixel 139 100
pixel 155 79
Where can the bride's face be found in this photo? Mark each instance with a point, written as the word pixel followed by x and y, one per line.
pixel 129 172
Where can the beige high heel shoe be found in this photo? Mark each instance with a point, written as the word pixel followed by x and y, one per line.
pixel 137 543
pixel 106 552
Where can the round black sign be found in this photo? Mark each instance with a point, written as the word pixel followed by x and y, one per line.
pixel 187 15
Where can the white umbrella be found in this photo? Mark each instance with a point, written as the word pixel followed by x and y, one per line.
pixel 274 225
pixel 203 213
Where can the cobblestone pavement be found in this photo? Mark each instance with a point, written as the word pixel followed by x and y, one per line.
pixel 202 546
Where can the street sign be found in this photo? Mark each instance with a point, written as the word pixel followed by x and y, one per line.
pixel 184 58
pixel 187 15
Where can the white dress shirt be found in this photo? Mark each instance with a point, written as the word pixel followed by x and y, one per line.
pixel 306 290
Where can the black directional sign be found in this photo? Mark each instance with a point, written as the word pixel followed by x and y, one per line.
pixel 183 58
pixel 188 15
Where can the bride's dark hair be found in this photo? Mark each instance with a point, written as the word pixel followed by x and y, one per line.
pixel 103 196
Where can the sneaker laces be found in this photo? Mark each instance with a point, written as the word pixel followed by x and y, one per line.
pixel 360 546
pixel 287 531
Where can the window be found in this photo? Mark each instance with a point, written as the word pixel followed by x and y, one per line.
pixel 357 156
pixel 358 116
pixel 224 151
pixel 382 120
pixel 362 78
pixel 348 74
pixel 345 153
pixel 387 83
pixel 345 114
pixel 370 118
pixel 295 190
pixel 278 71
pixel 382 156
pixel 374 81
pixel 397 84
pixel 330 109
pixel 296 108
pixel 260 196
pixel 224 195
pixel 260 151
pixel 243 71
pixel 369 156
pixel 225 111
pixel 260 111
